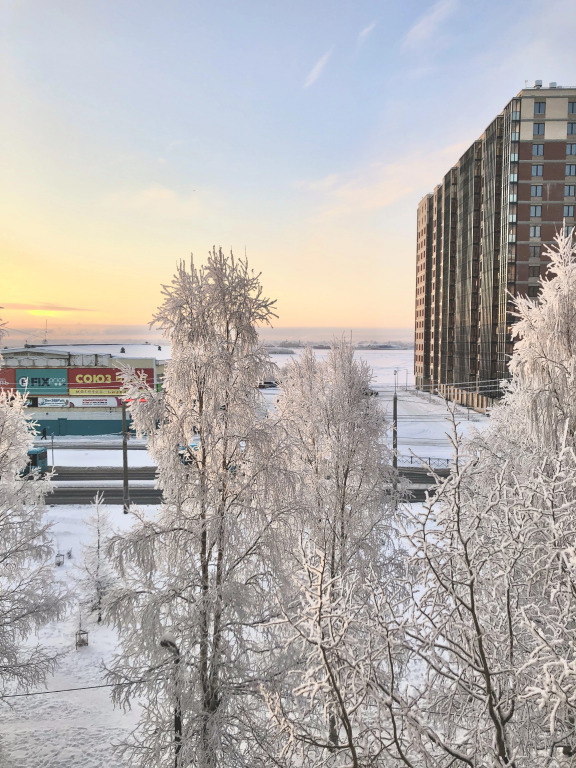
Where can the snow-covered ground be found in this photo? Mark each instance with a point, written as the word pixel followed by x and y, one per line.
pixel 70 729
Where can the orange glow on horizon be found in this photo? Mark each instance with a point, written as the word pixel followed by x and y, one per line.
pixel 44 312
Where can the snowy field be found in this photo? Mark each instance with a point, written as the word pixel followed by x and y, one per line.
pixel 70 729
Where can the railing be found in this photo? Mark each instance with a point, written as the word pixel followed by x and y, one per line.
pixel 417 461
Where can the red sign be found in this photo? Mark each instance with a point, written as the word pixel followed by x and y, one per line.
pixel 7 379
pixel 102 381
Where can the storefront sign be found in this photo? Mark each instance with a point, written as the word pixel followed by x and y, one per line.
pixel 42 381
pixel 101 381
pixel 53 402
pixel 7 379
pixel 95 402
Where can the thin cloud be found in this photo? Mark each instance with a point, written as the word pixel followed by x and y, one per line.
pixel 317 69
pixel 53 307
pixel 378 185
pixel 428 24
pixel 365 32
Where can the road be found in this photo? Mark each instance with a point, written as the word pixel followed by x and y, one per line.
pixel 64 474
pixel 419 480
pixel 85 495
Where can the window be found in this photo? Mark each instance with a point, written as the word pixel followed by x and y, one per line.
pixel 514 157
pixel 533 291
pixel 534 271
pixel 515 136
pixel 536 190
pixel 568 230
pixel 512 218
pixel 571 129
pixel 537 149
pixel 568 211
pixel 516 114
pixel 513 197
pixel 571 149
pixel 569 190
pixel 572 107
pixel 571 170
pixel 538 129
pixel 537 170
pixel 535 231
pixel 539 107
pixel 535 251
pixel 535 210
pixel 514 177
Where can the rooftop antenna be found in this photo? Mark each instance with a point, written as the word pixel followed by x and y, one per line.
pixel 45 339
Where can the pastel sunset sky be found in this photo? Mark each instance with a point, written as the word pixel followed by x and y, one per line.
pixel 135 132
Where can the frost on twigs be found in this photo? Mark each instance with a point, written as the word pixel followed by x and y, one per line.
pixel 490 633
pixel 199 572
pixel 340 567
pixel 95 575
pixel 29 596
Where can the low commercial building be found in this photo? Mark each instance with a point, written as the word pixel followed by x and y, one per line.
pixel 76 389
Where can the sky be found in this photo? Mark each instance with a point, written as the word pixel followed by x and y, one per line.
pixel 136 133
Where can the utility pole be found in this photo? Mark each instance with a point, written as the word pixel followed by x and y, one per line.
pixel 395 424
pixel 125 492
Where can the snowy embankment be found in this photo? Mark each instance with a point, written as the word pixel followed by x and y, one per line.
pixel 69 729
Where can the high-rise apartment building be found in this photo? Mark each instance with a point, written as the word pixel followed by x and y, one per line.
pixel 480 239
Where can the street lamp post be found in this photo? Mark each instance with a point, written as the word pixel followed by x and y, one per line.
pixel 125 491
pixel 395 422
pixel 170 645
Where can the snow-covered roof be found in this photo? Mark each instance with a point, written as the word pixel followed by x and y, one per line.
pixel 160 352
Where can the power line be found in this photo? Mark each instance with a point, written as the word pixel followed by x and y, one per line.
pixel 67 690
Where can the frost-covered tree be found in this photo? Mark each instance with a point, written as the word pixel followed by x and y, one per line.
pixel 195 577
pixel 541 399
pixel 29 596
pixel 96 577
pixel 491 631
pixel 465 632
pixel 340 554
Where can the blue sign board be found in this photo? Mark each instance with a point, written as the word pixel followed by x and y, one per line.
pixel 42 381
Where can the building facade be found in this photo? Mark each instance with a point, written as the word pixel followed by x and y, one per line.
pixel 77 389
pixel 480 241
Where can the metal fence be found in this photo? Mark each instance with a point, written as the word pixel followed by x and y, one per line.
pixel 417 461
